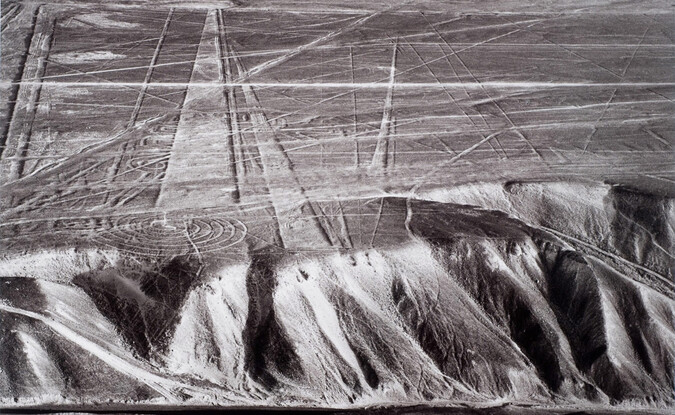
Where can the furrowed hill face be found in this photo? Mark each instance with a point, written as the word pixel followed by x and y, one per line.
pixel 281 205
pixel 454 303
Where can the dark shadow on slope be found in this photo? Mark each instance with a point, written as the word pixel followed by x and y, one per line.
pixel 383 354
pixel 640 229
pixel 575 297
pixel 453 228
pixel 439 222
pixel 22 292
pixel 144 304
pixel 644 338
pixel 529 335
pixel 267 347
pixel 14 361
pixel 443 351
pixel 25 294
pixel 368 370
pixel 66 365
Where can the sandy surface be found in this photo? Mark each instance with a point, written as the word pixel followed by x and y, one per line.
pixel 245 203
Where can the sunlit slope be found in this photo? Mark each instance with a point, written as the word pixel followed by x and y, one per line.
pixel 472 305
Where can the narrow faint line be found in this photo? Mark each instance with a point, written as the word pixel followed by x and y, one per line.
pixel 482 87
pixel 113 170
pixel 358 85
pixel 356 143
pixel 452 98
pixel 632 57
pixel 313 44
pixel 619 258
pixel 377 223
pixel 611 98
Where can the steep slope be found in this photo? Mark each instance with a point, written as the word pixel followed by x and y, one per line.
pixel 43 358
pixel 631 229
pixel 470 305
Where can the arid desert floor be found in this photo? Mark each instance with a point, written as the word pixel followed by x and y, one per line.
pixel 439 207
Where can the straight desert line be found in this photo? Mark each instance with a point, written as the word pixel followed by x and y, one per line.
pixel 359 85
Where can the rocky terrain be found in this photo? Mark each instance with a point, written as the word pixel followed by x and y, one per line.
pixel 468 304
pixel 403 208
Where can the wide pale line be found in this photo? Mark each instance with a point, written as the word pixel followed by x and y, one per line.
pixel 363 85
